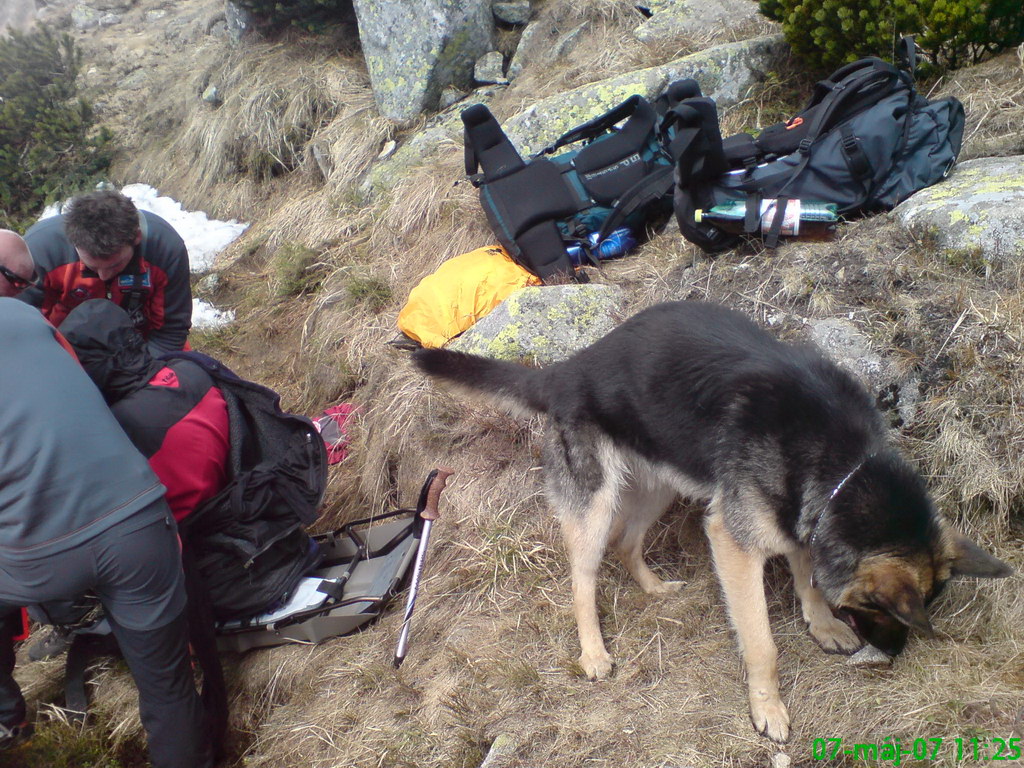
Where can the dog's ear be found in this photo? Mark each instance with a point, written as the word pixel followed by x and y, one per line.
pixel 968 559
pixel 902 600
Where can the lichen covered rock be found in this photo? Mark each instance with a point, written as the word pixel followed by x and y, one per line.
pixel 978 209
pixel 414 48
pixel 545 324
pixel 725 73
pixel 674 19
pixel 843 342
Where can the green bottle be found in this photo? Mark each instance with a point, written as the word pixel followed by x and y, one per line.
pixel 802 218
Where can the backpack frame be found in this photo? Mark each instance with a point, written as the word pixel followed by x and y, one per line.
pixel 621 176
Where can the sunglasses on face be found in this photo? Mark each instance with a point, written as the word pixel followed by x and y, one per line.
pixel 16 280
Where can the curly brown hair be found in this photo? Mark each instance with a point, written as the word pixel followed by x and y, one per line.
pixel 101 223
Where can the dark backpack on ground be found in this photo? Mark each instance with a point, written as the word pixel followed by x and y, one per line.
pixel 248 542
pixel 619 177
pixel 866 141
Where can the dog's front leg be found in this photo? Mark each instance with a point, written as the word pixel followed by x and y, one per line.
pixel 742 576
pixel 831 634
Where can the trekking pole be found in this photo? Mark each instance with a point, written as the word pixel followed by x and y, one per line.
pixel 427 512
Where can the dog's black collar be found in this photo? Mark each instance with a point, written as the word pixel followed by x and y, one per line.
pixel 825 508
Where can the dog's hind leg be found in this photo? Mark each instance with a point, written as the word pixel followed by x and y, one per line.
pixel 639 508
pixel 585 541
pixel 833 635
pixel 583 483
pixel 741 573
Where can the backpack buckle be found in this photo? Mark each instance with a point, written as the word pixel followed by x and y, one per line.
pixel 805 145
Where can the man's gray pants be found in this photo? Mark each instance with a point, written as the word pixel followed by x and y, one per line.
pixel 135 569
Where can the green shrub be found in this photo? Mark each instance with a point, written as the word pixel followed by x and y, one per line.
pixel 48 149
pixel 829 33
pixel 295 269
pixel 310 15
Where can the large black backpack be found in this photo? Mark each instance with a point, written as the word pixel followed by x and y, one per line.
pixel 618 175
pixel 866 141
pixel 248 542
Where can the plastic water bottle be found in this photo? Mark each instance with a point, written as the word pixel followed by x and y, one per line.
pixel 803 218
pixel 616 244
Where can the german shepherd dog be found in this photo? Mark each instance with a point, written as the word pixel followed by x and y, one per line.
pixel 788 450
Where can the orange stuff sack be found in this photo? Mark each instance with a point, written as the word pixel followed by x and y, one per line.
pixel 461 291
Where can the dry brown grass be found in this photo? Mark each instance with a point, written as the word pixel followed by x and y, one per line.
pixel 494 646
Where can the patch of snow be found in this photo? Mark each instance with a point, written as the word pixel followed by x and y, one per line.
pixel 206 316
pixel 204 237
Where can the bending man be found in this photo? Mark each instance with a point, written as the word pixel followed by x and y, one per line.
pixel 102 247
pixel 81 510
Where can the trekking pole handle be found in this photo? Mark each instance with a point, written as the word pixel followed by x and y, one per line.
pixel 434 493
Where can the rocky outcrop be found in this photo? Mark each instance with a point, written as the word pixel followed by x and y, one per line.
pixel 17 14
pixel 977 211
pixel 895 393
pixel 700 19
pixel 545 324
pixel 239 22
pixel 544 41
pixel 725 73
pixel 515 13
pixel 84 17
pixel 414 48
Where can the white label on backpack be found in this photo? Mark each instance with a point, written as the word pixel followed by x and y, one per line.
pixel 790 219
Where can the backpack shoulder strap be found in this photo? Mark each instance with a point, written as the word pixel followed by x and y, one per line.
pixel 600 124
pixel 487 148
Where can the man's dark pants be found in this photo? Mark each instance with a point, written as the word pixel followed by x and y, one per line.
pixel 135 568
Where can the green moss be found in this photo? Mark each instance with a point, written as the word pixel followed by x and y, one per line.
pixel 370 291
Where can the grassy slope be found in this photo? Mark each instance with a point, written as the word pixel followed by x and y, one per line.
pixel 494 642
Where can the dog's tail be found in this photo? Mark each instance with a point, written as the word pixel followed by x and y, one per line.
pixel 514 387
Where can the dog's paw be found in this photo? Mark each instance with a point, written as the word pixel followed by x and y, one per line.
pixel 667 588
pixel 770 718
pixel 596 666
pixel 834 636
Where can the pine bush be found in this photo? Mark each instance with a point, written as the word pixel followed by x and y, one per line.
pixel 829 33
pixel 48 146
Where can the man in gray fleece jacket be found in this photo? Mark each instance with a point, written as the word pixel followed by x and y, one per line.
pixel 81 510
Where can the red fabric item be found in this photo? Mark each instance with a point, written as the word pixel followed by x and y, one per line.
pixel 64 343
pixel 25 627
pixel 192 460
pixel 331 426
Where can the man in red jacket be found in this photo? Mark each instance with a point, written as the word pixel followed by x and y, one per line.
pixel 102 247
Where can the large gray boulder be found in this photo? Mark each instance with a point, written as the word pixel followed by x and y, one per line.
pixel 84 17
pixel 545 324
pixel 676 19
pixel 844 343
pixel 978 209
pixel 414 48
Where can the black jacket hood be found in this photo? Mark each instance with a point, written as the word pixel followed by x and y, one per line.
pixel 110 348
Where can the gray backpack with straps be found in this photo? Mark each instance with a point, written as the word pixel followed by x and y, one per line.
pixel 866 141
